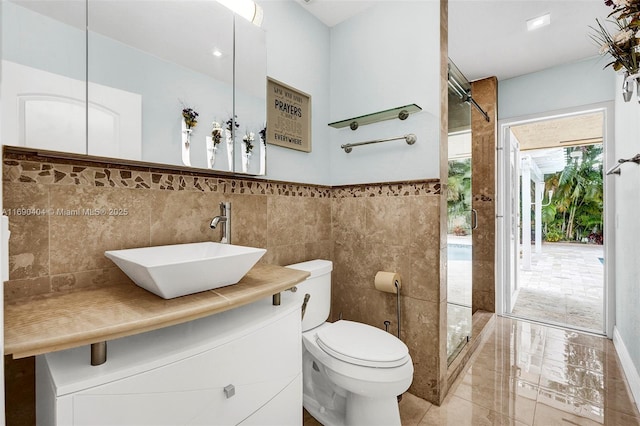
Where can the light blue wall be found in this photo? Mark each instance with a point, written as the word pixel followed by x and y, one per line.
pixel 376 65
pixel 627 206
pixel 562 87
pixel 164 88
pixel 44 43
pixel 298 55
pixel 360 66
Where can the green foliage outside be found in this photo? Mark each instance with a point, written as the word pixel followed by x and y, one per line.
pixel 575 212
pixel 459 197
pixel 576 209
pixel 553 235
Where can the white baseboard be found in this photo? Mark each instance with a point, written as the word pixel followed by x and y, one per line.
pixel 630 370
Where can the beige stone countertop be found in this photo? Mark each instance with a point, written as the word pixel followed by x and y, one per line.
pixel 38 325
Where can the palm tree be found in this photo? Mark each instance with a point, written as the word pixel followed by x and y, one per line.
pixel 459 189
pixel 578 192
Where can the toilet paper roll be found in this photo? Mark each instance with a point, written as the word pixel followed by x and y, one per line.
pixel 385 281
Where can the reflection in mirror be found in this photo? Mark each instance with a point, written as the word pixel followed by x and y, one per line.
pixel 250 96
pixel 43 75
pixel 179 56
pixel 459 218
pixel 146 63
pixel 162 53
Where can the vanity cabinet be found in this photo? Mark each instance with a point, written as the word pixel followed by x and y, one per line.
pixel 241 366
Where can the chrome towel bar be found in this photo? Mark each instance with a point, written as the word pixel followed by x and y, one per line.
pixel 410 139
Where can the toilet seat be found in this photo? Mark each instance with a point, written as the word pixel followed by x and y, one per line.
pixel 352 376
pixel 362 344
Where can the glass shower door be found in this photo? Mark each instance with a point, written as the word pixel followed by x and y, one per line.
pixel 459 253
pixel 460 217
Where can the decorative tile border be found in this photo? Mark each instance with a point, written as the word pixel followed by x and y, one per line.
pixel 300 190
pixel 49 173
pixel 402 189
pixel 45 171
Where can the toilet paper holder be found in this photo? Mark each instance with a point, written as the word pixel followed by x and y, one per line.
pixel 397 285
pixel 390 282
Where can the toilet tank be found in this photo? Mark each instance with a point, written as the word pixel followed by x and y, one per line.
pixel 318 286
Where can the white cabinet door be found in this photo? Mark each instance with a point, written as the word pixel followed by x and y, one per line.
pixel 283 410
pixel 192 391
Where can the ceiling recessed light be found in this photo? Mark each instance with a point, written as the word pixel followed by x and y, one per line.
pixel 539 22
pixel 216 53
pixel 248 9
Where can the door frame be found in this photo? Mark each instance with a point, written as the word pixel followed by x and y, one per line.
pixel 511 219
pixel 608 143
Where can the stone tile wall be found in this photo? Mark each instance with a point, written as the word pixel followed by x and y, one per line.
pixel 65 213
pixel 64 216
pixel 392 228
pixel 483 144
pixel 442 384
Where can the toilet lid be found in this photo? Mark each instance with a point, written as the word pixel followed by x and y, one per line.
pixel 362 344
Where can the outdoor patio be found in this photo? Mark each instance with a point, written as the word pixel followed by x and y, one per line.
pixel 565 285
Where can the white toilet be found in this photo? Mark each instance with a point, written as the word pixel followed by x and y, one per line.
pixel 352 372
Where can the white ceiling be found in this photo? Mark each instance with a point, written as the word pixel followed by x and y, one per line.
pixel 486 37
pixel 489 37
pixel 332 12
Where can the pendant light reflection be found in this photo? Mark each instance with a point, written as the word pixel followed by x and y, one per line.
pixel 248 9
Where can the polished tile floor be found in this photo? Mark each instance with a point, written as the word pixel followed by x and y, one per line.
pixel 565 285
pixel 530 374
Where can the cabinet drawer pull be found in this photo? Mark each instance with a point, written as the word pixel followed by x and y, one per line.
pixel 229 391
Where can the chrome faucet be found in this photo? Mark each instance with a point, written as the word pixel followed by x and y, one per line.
pixel 225 220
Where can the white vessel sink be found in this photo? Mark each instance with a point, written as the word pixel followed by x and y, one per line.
pixel 180 269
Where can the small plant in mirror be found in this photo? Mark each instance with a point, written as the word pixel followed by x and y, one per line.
pixel 216 133
pixel 190 117
pixel 263 135
pixel 230 122
pixel 248 140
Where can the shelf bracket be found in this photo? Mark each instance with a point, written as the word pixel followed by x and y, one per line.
pixel 401 113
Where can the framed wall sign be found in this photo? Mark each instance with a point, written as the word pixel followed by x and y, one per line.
pixel 288 116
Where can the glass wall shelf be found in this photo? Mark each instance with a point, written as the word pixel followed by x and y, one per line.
pixel 400 112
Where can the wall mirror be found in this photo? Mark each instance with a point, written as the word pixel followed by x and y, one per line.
pixel 110 78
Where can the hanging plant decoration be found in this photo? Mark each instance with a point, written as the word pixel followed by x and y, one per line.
pixel 231 121
pixel 623 45
pixel 248 140
pixel 190 117
pixel 263 135
pixel 216 133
